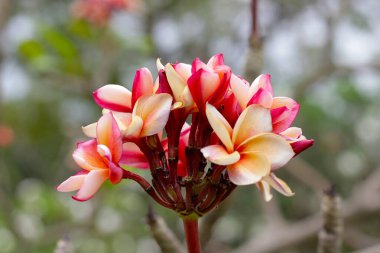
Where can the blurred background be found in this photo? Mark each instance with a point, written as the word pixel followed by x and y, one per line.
pixel 53 54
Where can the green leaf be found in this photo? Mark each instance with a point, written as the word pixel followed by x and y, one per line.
pixel 31 49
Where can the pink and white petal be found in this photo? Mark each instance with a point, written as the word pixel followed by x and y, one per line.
pixel 123 119
pixel 252 121
pixel 216 60
pixel 261 97
pixel 301 145
pixel 184 70
pixel 90 130
pixel 164 86
pixel 142 84
pixel 218 154
pixel 218 96
pixel 274 147
pixel 108 134
pixel 73 183
pixel 279 185
pixel 198 64
pixel 87 156
pixel 279 114
pixel 202 85
pixel 292 132
pixel 231 109
pixel 91 184
pixel 176 81
pixel 220 126
pixel 154 112
pixel 134 129
pixel 114 97
pixel 265 190
pixel 294 108
pixel 115 173
pixel 159 65
pixel 250 169
pixel 262 81
pixel 240 90
pixel 133 157
pixel 105 152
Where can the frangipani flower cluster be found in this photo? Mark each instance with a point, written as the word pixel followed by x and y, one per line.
pixel 99 11
pixel 200 130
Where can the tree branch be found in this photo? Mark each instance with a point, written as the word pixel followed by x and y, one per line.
pixel 164 237
pixel 298 232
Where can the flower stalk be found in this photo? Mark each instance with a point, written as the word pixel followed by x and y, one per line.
pixel 192 235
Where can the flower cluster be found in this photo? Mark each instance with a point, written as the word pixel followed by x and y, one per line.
pixel 99 11
pixel 236 134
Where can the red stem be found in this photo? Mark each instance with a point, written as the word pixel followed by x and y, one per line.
pixel 192 235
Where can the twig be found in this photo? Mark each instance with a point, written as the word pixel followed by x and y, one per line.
pixel 164 237
pixel 255 58
pixel 330 236
pixel 64 245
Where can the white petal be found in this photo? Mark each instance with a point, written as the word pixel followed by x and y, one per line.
pixel 220 126
pixel 218 154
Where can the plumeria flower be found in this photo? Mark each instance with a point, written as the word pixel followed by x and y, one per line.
pixel 100 11
pixel 177 76
pixel 119 99
pixel 98 159
pixel 209 82
pixel 283 109
pixel 149 116
pixel 250 151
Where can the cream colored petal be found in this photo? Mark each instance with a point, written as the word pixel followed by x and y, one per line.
pixel 279 185
pixel 159 65
pixel 274 147
pixel 73 183
pixel 250 169
pixel 240 90
pixel 252 121
pixel 176 82
pixel 134 129
pixel 218 154
pixel 220 126
pixel 123 120
pixel 90 130
pixel 265 190
pixel 292 132
pixel 154 112
pixel 91 184
pixel 187 98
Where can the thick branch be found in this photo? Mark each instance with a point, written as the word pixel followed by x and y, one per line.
pixel 164 237
pixel 330 236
